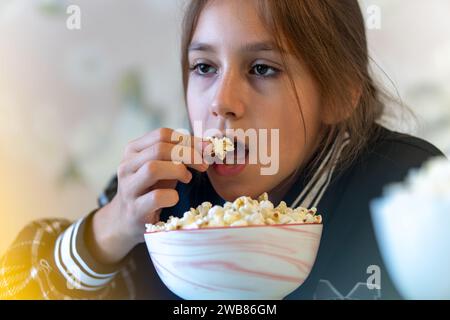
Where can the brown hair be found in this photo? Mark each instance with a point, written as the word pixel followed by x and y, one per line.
pixel 329 36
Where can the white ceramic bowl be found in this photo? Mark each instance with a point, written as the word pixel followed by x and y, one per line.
pixel 254 262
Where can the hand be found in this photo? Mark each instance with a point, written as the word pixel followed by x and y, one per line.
pixel 147 177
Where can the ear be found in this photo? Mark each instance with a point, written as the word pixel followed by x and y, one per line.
pixel 335 114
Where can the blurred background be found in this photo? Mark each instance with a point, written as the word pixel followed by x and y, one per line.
pixel 70 100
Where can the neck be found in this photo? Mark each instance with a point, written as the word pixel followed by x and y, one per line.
pixel 277 194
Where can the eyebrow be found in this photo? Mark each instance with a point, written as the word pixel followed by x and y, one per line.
pixel 248 47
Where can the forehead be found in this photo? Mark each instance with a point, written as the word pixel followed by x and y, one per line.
pixel 230 22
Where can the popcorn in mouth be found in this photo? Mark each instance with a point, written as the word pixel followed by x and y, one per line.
pixel 232 151
pixel 244 211
pixel 221 146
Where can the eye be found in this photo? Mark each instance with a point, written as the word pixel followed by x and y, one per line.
pixel 203 69
pixel 263 70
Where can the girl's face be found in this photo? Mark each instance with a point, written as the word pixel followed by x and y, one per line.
pixel 238 81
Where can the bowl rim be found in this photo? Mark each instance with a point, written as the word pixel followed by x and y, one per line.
pixel 238 227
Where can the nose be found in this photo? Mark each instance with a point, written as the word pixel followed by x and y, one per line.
pixel 227 102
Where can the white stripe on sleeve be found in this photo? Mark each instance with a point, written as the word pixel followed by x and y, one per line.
pixel 72 267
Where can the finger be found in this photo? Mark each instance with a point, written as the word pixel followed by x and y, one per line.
pixel 154 171
pixel 150 138
pixel 166 152
pixel 165 135
pixel 154 200
pixel 189 141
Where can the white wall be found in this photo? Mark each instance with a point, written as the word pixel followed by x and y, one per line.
pixel 64 102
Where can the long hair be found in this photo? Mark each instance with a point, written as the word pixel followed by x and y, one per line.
pixel 330 37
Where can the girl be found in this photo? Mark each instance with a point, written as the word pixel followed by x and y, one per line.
pixel 297 66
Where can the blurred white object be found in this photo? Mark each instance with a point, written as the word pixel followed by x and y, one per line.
pixel 257 262
pixel 412 225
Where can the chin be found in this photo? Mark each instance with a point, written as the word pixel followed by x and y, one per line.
pixel 231 195
pixel 230 190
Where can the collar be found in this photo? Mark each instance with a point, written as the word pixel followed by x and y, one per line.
pixel 308 191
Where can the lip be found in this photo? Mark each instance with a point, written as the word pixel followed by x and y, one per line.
pixel 239 145
pixel 228 170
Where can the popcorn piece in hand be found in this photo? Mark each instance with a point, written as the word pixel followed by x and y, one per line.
pixel 221 146
pixel 244 211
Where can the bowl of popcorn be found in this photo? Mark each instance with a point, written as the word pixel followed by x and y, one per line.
pixel 246 249
pixel 412 223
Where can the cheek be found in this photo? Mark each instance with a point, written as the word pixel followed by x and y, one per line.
pixel 288 120
pixel 196 107
pixel 295 146
pixel 291 142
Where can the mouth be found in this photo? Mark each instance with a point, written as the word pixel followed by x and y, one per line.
pixel 240 153
pixel 235 161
